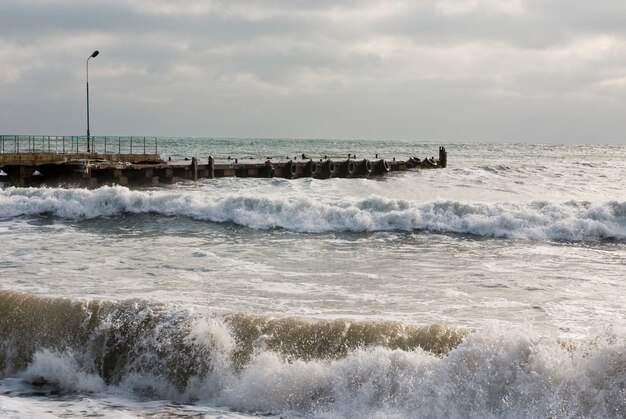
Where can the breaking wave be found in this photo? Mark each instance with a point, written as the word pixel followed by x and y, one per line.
pixel 300 366
pixel 537 220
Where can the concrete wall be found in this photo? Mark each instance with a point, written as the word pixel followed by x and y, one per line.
pixel 41 158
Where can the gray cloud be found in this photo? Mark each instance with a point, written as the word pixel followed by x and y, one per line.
pixel 462 69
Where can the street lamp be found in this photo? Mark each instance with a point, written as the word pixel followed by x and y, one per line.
pixel 93 55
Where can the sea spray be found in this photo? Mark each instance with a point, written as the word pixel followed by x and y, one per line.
pixel 495 372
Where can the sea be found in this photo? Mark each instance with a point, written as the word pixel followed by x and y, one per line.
pixel 493 288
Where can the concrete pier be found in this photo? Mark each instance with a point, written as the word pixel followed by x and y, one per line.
pixel 94 170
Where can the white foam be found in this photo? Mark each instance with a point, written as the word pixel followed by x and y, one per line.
pixel 63 372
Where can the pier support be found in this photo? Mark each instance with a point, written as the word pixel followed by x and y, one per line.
pixel 366 167
pixel 310 169
pixel 381 167
pixel 289 170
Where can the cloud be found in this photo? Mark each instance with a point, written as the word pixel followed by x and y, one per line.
pixel 491 7
pixel 366 68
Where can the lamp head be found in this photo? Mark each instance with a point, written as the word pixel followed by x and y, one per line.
pixel 95 54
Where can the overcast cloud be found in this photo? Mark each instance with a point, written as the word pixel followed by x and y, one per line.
pixel 444 70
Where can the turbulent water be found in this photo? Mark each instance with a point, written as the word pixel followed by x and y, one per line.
pixel 493 288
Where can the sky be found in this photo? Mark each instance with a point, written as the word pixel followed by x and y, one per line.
pixel 425 70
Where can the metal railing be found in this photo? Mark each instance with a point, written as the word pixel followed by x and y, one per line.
pixel 69 144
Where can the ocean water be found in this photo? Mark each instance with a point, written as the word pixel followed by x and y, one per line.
pixel 491 289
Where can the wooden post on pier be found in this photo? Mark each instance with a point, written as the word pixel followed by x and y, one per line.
pixel 194 168
pixel 211 174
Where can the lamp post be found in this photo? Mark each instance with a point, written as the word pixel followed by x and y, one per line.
pixel 93 55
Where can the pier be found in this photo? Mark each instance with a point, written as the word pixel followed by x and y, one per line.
pixel 62 161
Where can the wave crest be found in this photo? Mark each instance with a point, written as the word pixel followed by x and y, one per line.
pixel 118 339
pixel 537 220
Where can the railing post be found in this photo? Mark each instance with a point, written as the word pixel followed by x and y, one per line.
pixel 119 145
pixel 17 145
pixel 144 146
pixel 156 145
pixel 131 145
pixel 105 144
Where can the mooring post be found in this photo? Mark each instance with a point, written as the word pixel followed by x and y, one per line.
pixel 443 157
pixel 194 168
pixel 211 167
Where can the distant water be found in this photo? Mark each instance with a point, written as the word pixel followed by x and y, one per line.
pixel 493 288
